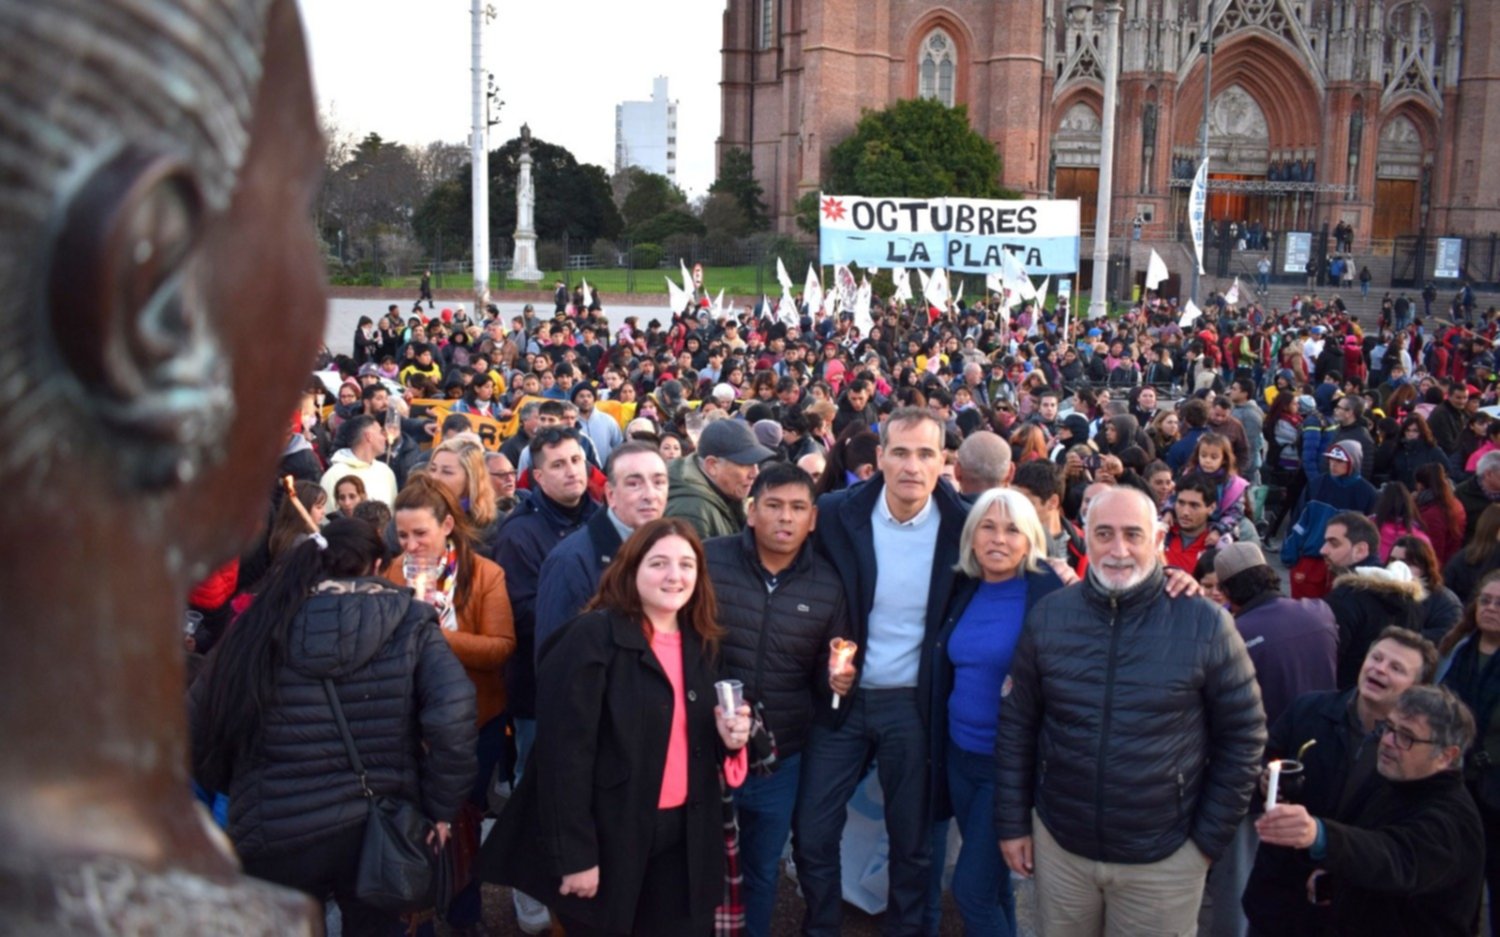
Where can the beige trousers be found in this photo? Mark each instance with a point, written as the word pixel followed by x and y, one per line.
pixel 1078 897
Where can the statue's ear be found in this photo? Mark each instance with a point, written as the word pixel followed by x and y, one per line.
pixel 127 316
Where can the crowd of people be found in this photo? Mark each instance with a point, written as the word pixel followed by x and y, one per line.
pixel 1045 536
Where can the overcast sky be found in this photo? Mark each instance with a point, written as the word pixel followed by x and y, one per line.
pixel 401 69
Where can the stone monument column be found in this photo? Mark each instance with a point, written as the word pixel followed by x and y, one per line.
pixel 523 262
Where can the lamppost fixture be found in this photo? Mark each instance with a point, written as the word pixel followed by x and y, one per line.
pixel 1078 12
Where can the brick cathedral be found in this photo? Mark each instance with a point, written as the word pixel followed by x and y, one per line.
pixel 1373 112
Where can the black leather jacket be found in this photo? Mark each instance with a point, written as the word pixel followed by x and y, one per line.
pixel 1133 723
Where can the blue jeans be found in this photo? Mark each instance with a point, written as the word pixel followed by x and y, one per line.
pixel 981 880
pixel 764 806
pixel 883 725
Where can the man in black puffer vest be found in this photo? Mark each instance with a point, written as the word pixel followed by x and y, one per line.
pixel 780 604
pixel 1130 737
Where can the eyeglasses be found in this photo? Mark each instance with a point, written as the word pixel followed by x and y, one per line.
pixel 503 476
pixel 1485 601
pixel 1404 739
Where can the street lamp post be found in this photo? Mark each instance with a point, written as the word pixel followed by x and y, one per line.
pixel 1098 298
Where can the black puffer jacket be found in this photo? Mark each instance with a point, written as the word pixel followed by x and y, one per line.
pixel 401 689
pixel 1132 724
pixel 777 642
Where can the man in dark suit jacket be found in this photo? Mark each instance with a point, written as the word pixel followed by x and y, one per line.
pixel 894 542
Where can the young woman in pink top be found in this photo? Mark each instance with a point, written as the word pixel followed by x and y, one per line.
pixel 617 822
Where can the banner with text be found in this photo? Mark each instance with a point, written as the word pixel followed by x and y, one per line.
pixel 1198 210
pixel 1298 251
pixel 1449 264
pixel 966 234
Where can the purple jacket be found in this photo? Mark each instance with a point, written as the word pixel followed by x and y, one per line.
pixel 1294 644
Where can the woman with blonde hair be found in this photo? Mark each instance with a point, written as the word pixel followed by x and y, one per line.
pixel 458 464
pixel 1003 561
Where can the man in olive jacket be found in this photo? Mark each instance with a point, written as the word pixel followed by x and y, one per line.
pixel 1131 737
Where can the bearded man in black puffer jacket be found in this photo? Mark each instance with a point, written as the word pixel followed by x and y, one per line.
pixel 1131 736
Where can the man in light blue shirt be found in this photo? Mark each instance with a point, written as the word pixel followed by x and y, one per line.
pixel 894 541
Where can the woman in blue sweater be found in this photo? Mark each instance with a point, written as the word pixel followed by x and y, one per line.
pixel 1002 556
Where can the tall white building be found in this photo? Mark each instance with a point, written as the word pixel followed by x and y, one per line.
pixel 646 133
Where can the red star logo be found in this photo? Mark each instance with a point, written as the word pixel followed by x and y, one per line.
pixel 833 209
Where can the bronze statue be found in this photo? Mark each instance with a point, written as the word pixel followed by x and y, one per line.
pixel 163 303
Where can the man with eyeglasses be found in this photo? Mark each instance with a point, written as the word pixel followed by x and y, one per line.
pixel 1410 859
pixel 1339 772
pixel 503 479
pixel 1349 413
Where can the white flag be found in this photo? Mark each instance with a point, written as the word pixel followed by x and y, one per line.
pixel 831 302
pixel 1197 209
pixel 1190 313
pixel 782 277
pixel 718 308
pixel 1039 308
pixel 786 310
pixel 588 294
pixel 994 283
pixel 1156 271
pixel 1013 274
pixel 848 287
pixel 812 291
pixel 767 311
pixel 677 297
pixel 862 319
pixel 901 279
pixel 1232 297
pixel 687 279
pixel 957 297
pixel 935 289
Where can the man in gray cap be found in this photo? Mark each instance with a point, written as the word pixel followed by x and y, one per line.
pixel 708 489
pixel 1294 646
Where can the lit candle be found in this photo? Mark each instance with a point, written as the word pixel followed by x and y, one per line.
pixel 1275 783
pixel 840 653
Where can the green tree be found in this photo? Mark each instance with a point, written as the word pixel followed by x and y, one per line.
pixel 572 199
pixel 806 212
pixel 917 148
pixel 737 180
pixel 721 214
pixel 650 194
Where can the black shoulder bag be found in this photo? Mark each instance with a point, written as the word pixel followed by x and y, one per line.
pixel 396 866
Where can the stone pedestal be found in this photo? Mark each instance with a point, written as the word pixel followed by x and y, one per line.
pixel 523 264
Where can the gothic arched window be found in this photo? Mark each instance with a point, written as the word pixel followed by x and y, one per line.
pixel 938 62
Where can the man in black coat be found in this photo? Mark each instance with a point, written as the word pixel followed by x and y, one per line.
pixel 1448 419
pixel 635 492
pixel 894 542
pixel 1332 734
pixel 780 604
pixel 557 504
pixel 1366 597
pixel 1411 862
pixel 1129 741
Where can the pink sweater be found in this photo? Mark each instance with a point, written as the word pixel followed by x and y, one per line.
pixel 674 776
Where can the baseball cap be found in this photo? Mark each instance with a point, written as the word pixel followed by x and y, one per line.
pixel 1337 454
pixel 732 440
pixel 1236 558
